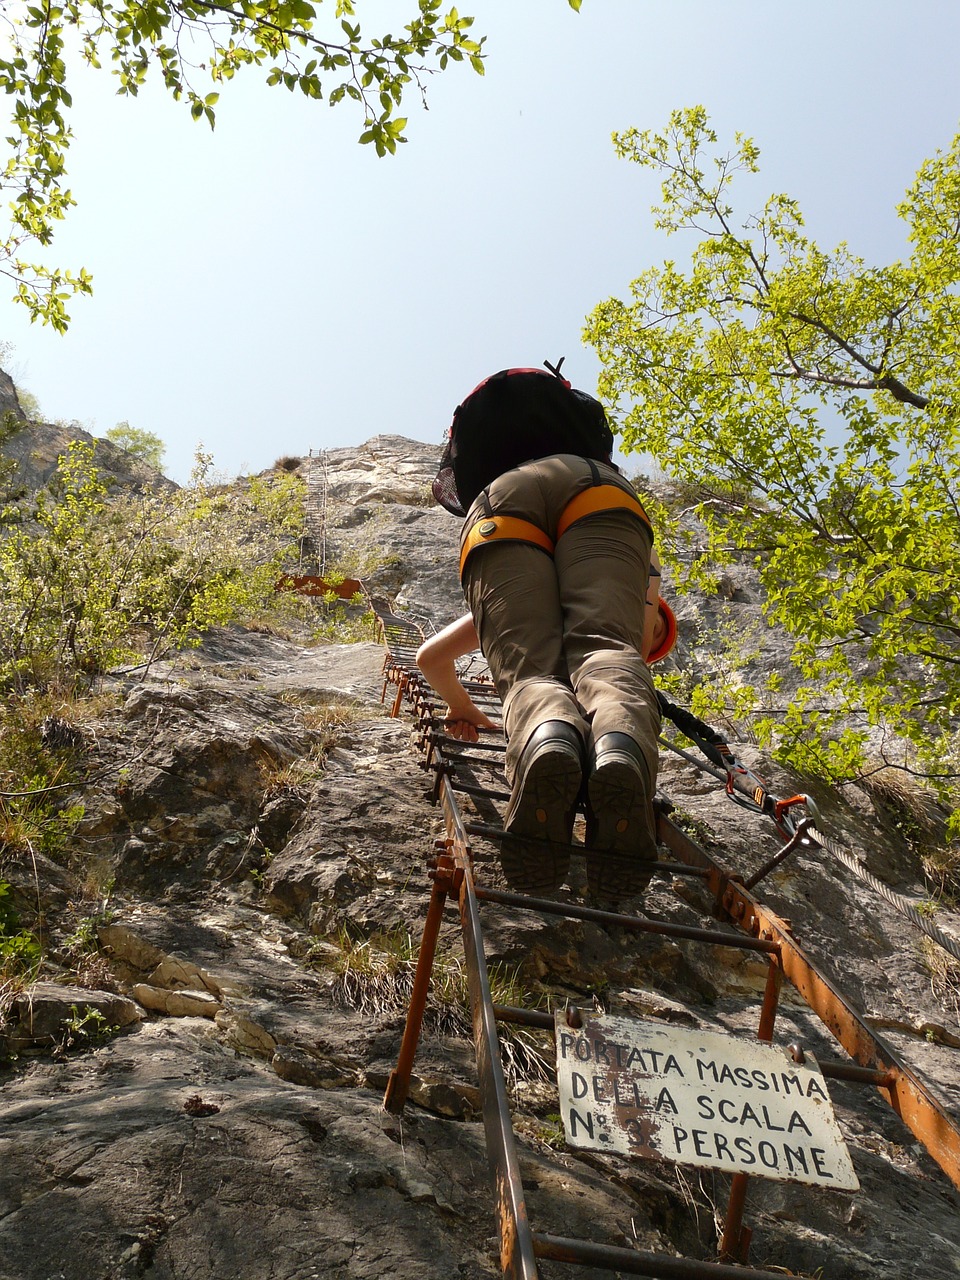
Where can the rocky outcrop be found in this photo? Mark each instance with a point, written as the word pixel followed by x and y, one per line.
pixel 55 1016
pixel 9 402
pixel 374 514
pixel 250 880
pixel 39 446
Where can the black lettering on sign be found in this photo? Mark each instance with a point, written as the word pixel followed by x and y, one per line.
pixel 745 1149
pixel 585 1122
pixel 665 1102
pixel 748 1113
pixel 774 1128
pixel 796 1158
pixel 768 1155
pixel 797 1121
pixel 723 1148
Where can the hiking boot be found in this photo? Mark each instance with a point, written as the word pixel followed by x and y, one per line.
pixel 538 828
pixel 620 837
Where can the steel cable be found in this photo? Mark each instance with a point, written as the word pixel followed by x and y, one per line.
pixel 896 900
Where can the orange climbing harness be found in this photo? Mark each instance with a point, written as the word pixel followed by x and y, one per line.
pixel 600 497
pixel 503 529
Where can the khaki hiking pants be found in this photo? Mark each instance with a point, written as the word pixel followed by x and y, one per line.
pixel 562 633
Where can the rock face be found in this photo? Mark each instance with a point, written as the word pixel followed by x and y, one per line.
pixel 39 446
pixel 9 403
pixel 382 525
pixel 197 1090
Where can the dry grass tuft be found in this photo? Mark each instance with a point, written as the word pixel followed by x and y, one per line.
pixel 944 974
pixel 906 798
pixel 375 978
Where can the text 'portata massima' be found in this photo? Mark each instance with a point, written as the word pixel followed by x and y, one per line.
pixel 698 1098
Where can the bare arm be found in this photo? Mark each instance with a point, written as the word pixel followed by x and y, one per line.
pixel 660 622
pixel 436 658
pixel 652 623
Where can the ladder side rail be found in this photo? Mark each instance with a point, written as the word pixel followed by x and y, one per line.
pixel 517 1258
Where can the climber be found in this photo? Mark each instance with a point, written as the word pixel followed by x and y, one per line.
pixel 437 658
pixel 555 555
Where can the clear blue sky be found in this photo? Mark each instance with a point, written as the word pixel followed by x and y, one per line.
pixel 272 286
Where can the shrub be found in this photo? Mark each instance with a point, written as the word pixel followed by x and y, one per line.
pixel 19 948
pixel 93 583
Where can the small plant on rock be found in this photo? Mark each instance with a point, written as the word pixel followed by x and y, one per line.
pixel 85 1029
pixel 20 950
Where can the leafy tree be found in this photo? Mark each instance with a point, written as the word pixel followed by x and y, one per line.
pixel 182 40
pixel 94 582
pixel 145 445
pixel 734 374
pixel 30 405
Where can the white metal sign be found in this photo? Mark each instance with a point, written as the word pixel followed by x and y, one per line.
pixel 696 1097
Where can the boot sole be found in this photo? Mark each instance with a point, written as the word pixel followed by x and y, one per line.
pixel 535 849
pixel 620 841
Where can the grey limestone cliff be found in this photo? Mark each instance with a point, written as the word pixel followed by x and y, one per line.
pixel 256 834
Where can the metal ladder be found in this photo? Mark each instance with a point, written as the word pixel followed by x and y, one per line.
pixel 755 929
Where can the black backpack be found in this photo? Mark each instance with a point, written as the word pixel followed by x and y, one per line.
pixel 511 418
